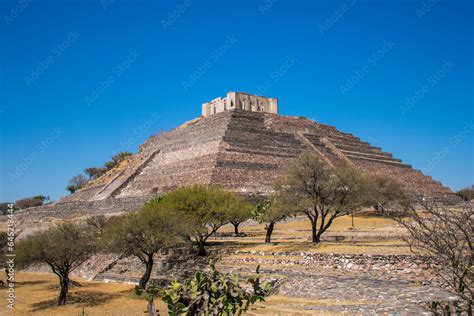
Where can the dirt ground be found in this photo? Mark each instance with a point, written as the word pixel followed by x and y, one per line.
pixel 36 293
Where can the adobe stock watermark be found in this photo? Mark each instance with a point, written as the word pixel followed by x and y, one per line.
pixel 106 3
pixel 266 6
pixel 277 74
pixel 453 142
pixel 56 52
pixel 337 14
pixel 426 7
pixel 214 57
pixel 10 257
pixel 16 11
pixel 372 61
pixel 40 148
pixel 138 133
pixel 431 82
pixel 174 15
pixel 117 71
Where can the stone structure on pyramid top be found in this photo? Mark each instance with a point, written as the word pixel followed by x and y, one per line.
pixel 240 101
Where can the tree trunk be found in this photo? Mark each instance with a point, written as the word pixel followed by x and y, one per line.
pixel 269 232
pixel 146 276
pixel 314 234
pixel 63 290
pixel 236 229
pixel 202 248
pixel 318 238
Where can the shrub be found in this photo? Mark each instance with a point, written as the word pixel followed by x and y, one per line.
pixel 94 172
pixel 31 201
pixel 269 213
pixel 466 194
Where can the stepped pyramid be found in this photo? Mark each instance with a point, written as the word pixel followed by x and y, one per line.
pixel 243 148
pixel 241 144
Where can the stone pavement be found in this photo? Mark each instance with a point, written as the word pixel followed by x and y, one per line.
pixel 345 292
pixel 365 295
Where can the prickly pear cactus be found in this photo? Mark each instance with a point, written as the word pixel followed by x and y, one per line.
pixel 215 294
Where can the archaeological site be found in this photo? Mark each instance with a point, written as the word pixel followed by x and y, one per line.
pixel 232 158
pixel 241 144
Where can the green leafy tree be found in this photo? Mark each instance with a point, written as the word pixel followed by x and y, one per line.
pixel 63 248
pixel 323 192
pixel 144 233
pixel 269 213
pixel 389 194
pixel 205 209
pixel 238 210
pixel 215 293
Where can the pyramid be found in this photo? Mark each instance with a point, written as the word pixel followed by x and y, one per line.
pixel 244 152
pixel 242 148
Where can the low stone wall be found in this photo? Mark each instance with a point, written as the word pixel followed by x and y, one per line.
pixel 417 266
pixel 74 209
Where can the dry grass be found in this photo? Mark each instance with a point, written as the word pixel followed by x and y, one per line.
pixel 36 294
pixel 341 224
pixel 294 236
pixel 282 305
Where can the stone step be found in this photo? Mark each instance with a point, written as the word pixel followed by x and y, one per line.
pixel 361 148
pixel 113 188
pixel 269 151
pixel 351 143
pixel 259 134
pixel 384 161
pixel 369 155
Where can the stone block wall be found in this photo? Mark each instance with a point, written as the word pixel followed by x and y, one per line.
pixel 240 101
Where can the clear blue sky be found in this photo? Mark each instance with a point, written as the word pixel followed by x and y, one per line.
pixel 80 80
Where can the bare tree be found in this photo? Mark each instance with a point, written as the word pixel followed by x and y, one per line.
pixel 97 223
pixel 323 192
pixel 76 183
pixel 447 235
